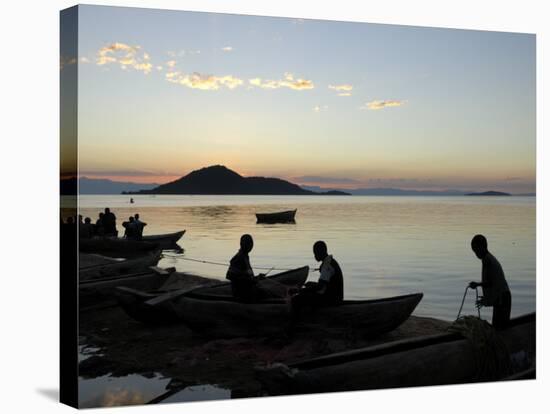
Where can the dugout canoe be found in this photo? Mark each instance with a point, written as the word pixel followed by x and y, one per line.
pixel 116 246
pixel 225 318
pixel 96 293
pixel 279 217
pixel 108 267
pixel 430 360
pixel 161 307
pixel 165 241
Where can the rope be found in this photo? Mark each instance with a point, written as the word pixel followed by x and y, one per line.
pixel 491 355
pixel 190 259
pixel 462 304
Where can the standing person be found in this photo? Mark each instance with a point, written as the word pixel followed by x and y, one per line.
pixel 329 289
pixel 496 292
pixel 140 225
pixel 109 223
pixel 99 228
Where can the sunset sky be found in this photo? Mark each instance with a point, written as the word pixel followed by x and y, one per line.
pixel 335 104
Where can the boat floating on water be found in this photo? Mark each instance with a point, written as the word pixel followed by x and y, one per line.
pixel 279 217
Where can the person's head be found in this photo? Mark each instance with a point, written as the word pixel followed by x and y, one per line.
pixel 107 210
pixel 320 250
pixel 87 220
pixel 69 220
pixel 136 216
pixel 247 243
pixel 479 246
pixel 80 218
pixel 131 219
pixel 101 215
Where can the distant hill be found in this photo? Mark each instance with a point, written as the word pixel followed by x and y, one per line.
pixel 220 180
pixel 489 193
pixel 392 191
pixel 101 186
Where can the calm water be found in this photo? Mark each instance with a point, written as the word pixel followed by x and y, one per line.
pixel 386 246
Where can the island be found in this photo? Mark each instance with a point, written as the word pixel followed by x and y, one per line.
pixel 489 193
pixel 220 180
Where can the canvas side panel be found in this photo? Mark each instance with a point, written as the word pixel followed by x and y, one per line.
pixel 68 204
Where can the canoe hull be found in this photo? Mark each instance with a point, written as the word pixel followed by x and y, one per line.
pixel 119 268
pixel 165 308
pixel 225 319
pixel 165 241
pixel 433 360
pixel 280 217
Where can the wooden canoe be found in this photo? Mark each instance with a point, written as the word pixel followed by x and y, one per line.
pixel 280 217
pixel 159 307
pixel 429 360
pixel 165 241
pixel 109 268
pixel 96 293
pixel 216 317
pixel 115 246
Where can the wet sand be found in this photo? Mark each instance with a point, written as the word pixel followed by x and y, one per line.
pixel 122 346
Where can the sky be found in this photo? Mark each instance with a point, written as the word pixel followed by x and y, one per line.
pixel 335 104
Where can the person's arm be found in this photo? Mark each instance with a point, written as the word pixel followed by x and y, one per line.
pixel 327 272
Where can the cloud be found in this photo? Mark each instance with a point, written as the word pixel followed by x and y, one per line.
pixel 204 82
pixel 376 105
pixel 344 94
pixel 320 108
pixel 287 82
pixel 171 63
pixel 125 56
pixel 227 49
pixel 344 87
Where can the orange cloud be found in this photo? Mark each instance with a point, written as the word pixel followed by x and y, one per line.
pixel 287 82
pixel 376 105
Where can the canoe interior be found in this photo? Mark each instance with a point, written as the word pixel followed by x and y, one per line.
pixel 280 217
pixel 290 278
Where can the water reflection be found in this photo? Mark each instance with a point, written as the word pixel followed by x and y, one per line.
pixel 107 391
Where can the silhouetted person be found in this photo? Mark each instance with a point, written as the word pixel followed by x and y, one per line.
pixel 99 228
pixel 496 292
pixel 109 223
pixel 140 225
pixel 244 285
pixel 86 229
pixel 130 229
pixel 329 289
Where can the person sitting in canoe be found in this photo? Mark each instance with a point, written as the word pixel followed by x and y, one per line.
pixel 85 229
pixel 131 229
pixel 496 292
pixel 99 228
pixel 140 225
pixel 329 289
pixel 244 285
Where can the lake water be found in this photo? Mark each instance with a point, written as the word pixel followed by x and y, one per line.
pixel 386 246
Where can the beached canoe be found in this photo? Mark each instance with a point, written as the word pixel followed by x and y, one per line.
pixel 101 292
pixel 115 246
pixel 280 217
pixel 165 241
pixel 108 267
pixel 430 360
pixel 223 318
pixel 160 307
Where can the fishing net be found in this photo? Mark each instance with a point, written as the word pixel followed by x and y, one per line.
pixel 491 354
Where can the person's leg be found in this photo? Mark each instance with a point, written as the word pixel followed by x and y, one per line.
pixel 501 311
